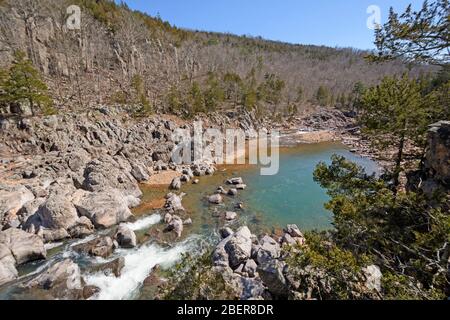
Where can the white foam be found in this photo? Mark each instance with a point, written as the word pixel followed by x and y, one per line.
pixel 138 264
pixel 144 222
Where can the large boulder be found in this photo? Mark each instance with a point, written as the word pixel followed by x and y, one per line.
pixel 104 209
pixel 139 172
pixel 100 247
pixel 83 228
pixel 62 280
pixel 173 203
pixel 57 212
pixel 269 249
pixel 175 184
pixel 271 274
pixel 125 237
pixel 12 199
pixel 24 246
pixel 239 247
pixel 8 271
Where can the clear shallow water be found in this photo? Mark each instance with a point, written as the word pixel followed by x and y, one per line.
pixel 292 196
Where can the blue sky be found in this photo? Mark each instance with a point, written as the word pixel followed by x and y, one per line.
pixel 339 23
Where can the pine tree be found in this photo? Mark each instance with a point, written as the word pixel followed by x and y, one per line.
pixel 322 96
pixel 417 36
pixel 23 84
pixel 140 97
pixel 393 112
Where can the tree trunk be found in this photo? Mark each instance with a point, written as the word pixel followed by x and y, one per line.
pixel 398 163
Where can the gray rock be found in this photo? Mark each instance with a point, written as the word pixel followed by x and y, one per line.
pixel 271 274
pixel 8 271
pixel 139 172
pixel 373 277
pixel 235 181
pixel 289 240
pixel 293 231
pixel 104 209
pixel 250 268
pixel 241 186
pixel 175 225
pixel 167 218
pixel 24 246
pixel 215 199
pixel 239 247
pixel 187 222
pixel 175 184
pixel 185 178
pixel 63 280
pixel 51 235
pixel 221 190
pixel 195 181
pixel 12 199
pixel 83 228
pixel 30 208
pixel 114 267
pixel 100 247
pixel 110 173
pixel 229 215
pixel 232 192
pixel 173 203
pixel 225 232
pixel 57 212
pixel 125 237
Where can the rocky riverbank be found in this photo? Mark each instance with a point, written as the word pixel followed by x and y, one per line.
pixel 73 176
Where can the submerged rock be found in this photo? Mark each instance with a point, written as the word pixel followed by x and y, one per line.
pixel 100 247
pixel 113 267
pixel 175 225
pixel 229 215
pixel 215 199
pixel 235 181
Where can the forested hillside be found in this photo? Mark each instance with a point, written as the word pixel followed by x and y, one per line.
pixel 120 56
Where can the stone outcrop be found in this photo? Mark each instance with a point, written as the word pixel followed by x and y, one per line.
pixel 437 159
